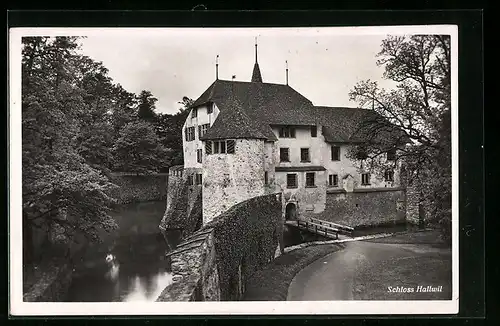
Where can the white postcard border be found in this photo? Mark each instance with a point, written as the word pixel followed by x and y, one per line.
pixel 20 308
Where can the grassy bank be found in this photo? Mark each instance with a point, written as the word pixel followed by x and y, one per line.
pixel 372 282
pixel 272 282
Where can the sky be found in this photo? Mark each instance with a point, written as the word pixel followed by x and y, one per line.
pixel 324 63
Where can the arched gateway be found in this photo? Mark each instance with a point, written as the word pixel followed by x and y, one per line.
pixel 291 212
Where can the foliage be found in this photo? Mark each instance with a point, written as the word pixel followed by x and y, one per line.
pixel 146 106
pixel 138 148
pixel 78 126
pixel 61 190
pixel 246 235
pixel 420 109
pixel 169 129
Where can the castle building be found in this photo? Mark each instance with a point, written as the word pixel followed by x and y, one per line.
pixel 246 139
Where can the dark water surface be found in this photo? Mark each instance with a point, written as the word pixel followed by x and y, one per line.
pixel 138 271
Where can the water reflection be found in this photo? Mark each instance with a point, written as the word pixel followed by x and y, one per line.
pixel 129 265
pixel 139 290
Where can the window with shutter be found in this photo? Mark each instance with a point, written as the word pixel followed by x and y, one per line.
pixel 223 147
pixel 208 147
pixel 216 147
pixel 230 146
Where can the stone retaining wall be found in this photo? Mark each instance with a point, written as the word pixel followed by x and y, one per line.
pixel 367 207
pixel 214 263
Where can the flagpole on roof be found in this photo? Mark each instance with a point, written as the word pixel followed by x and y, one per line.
pixel 286 64
pixel 217 67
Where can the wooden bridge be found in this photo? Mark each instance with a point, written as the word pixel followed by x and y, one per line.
pixel 321 227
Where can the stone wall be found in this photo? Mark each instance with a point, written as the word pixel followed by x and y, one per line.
pixel 184 202
pixel 306 199
pixel 419 209
pixel 229 179
pixel 412 205
pixel 364 207
pixel 137 188
pixel 214 262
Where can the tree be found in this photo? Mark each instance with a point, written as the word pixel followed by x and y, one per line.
pixel 169 130
pixel 146 107
pixel 138 149
pixel 62 193
pixel 419 107
pixel 96 126
pixel 125 108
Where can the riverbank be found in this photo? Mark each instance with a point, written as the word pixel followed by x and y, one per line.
pixel 81 274
pixel 272 282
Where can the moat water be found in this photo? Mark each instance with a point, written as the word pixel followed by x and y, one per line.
pixel 129 265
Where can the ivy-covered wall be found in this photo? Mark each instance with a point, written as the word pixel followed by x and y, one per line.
pixel 138 188
pixel 214 263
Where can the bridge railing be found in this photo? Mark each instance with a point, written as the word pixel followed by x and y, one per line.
pixel 340 227
pixel 317 228
pixel 325 228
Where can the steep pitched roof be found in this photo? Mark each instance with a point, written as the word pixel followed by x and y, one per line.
pixel 256 76
pixel 249 109
pixel 258 104
pixel 354 125
pixel 234 123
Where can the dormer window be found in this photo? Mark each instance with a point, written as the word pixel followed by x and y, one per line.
pixel 210 108
pixel 335 153
pixel 287 132
pixel 194 113
pixel 314 131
